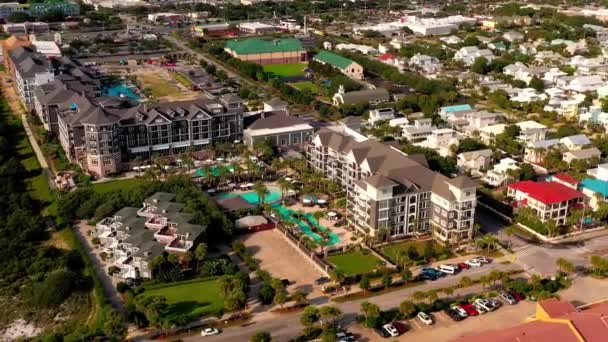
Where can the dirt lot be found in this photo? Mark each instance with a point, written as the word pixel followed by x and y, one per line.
pixel 447 329
pixel 282 260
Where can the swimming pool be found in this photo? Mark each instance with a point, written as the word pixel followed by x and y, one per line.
pixel 289 215
pixel 120 88
pixel 273 196
pixel 215 170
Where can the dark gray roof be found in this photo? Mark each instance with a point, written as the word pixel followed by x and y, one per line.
pixel 276 121
pixel 28 62
pixel 234 203
pixel 369 95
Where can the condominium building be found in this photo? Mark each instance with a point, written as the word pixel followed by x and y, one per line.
pixel 134 236
pixel 387 189
pixel 30 69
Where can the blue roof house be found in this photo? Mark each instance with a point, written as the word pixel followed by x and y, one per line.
pixel 444 112
pixel 595 189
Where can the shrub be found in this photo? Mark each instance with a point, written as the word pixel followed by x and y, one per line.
pixel 423 307
pixel 439 305
pixel 121 287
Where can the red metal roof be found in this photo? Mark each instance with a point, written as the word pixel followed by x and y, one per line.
pixel 546 192
pixel 386 56
pixel 564 177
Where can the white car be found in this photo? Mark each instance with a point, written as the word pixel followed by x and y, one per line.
pixel 483 259
pixel 473 262
pixel 460 311
pixel 485 304
pixel 482 310
pixel 391 330
pixel 209 332
pixel 425 318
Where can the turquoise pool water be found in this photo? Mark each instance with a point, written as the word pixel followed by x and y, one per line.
pixel 252 197
pixel 118 89
pixel 215 170
pixel 286 214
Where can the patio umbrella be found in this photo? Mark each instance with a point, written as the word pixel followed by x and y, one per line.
pixel 332 214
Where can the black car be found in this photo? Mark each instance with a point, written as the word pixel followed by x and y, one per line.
pixel 321 281
pixel 382 333
pixel 453 315
pixel 427 276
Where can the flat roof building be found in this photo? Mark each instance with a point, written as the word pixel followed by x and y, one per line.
pixel 262 51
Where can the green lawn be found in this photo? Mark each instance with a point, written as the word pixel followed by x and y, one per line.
pixel 121 184
pixel 392 251
pixel 193 298
pixel 287 70
pixel 311 86
pixel 356 262
pixel 183 80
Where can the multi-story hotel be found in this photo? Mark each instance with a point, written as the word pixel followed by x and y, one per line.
pixel 101 133
pixel 387 189
pixel 133 237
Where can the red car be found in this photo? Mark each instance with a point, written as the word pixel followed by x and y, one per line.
pixel 463 266
pixel 468 307
pixel 518 296
pixel 400 326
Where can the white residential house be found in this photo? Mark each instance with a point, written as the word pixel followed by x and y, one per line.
pixel 536 151
pixel 530 131
pixel 594 114
pixel 575 142
pixel 419 130
pixel 474 162
pixel 586 154
pixel 529 49
pixel 428 64
pixel 553 75
pixel 473 120
pixel 582 84
pixel 528 95
pixel 499 174
pixel 451 40
pixel 514 69
pixel 469 54
pixel 364 49
pixel 380 114
pixel 441 140
pixel 513 36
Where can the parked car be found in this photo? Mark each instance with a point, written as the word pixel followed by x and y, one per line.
pixel 455 316
pixel 343 336
pixel 484 259
pixel 209 332
pixel 426 276
pixel 480 309
pixel 391 330
pixel 495 302
pixel 460 311
pixel 518 296
pixel 448 269
pixel 485 304
pixel 382 333
pixel 400 326
pixel 463 265
pixel 432 271
pixel 469 309
pixel 321 281
pixel 425 318
pixel 473 262
pixel 507 297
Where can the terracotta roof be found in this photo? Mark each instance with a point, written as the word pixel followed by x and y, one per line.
pixel 546 192
pixel 555 308
pixel 536 331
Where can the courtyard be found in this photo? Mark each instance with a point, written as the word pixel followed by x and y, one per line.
pixel 356 262
pixel 286 70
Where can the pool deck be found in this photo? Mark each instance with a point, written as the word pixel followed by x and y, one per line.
pixel 343 233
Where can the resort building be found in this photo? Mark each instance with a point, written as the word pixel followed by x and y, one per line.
pixel 135 236
pixel 30 69
pixel 387 189
pixel 549 200
pixel 281 129
pixel 371 96
pixel 261 51
pixel 346 66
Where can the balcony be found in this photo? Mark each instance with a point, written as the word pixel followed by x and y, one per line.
pixel 148 211
pixel 156 223
pixel 179 246
pixel 165 235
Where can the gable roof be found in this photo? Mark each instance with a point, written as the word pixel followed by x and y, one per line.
pixel 333 59
pixel 257 45
pixel 546 192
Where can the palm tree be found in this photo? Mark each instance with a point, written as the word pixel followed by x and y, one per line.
pixel 299 297
pixel 261 190
pixel 237 172
pixel 564 265
pixel 419 296
pixel 284 187
pixel 337 276
pixel 484 280
pixel 370 310
pixel 432 296
pixel 329 314
pixel 465 282
pixel 535 281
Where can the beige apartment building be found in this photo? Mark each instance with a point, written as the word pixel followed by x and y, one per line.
pixel 387 189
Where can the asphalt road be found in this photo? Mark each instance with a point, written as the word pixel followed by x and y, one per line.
pixel 286 326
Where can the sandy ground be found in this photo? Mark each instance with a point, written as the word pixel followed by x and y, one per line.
pixel 282 260
pixel 19 329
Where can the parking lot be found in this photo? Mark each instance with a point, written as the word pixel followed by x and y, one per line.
pixel 282 260
pixel 444 326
